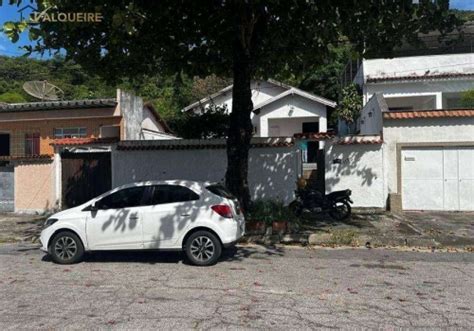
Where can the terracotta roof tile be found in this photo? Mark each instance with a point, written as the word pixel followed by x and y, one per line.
pixel 179 144
pixel 26 157
pixel 83 141
pixel 315 135
pixel 400 115
pixel 58 105
pixel 359 140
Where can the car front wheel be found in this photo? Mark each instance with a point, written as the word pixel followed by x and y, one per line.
pixel 66 248
pixel 203 248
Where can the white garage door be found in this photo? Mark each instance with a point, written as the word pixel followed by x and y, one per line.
pixel 438 178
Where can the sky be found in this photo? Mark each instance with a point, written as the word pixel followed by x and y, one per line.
pixel 10 13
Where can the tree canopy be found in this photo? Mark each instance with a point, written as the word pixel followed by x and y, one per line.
pixel 230 38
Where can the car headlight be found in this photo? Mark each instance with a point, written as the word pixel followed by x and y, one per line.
pixel 50 221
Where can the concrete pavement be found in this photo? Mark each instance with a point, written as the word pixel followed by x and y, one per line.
pixel 254 288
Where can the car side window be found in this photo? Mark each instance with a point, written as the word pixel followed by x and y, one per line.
pixel 128 197
pixel 172 193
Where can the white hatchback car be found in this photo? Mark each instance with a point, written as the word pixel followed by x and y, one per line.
pixel 199 218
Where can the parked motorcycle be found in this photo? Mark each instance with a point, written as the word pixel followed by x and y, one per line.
pixel 336 204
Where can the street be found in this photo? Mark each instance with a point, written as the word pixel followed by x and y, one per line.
pixel 253 287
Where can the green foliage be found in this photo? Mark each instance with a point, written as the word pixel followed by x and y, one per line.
pixel 11 97
pixel 212 122
pixel 67 75
pixel 268 211
pixel 464 15
pixel 350 104
pixel 467 99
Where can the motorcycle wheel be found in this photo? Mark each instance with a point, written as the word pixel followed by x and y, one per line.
pixel 340 210
pixel 296 208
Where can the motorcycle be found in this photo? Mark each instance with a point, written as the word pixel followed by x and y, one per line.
pixel 336 204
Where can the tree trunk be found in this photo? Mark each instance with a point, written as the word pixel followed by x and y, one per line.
pixel 240 128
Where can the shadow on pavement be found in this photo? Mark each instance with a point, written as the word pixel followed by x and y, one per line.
pixel 154 257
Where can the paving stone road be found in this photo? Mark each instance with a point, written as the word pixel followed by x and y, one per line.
pixel 255 288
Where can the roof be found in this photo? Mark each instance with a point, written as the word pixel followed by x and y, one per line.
pixel 26 157
pixel 83 141
pixel 439 113
pixel 421 77
pixel 290 91
pixel 56 105
pixel 446 66
pixel 317 136
pixel 359 140
pixel 301 93
pixel 177 144
pixel 206 99
pixel 158 118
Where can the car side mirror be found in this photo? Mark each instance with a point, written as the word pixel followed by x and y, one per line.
pixel 93 208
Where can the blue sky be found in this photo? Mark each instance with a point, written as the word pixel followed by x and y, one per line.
pixel 10 13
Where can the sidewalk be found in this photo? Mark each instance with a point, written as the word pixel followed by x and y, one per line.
pixel 20 228
pixel 382 229
pixel 433 230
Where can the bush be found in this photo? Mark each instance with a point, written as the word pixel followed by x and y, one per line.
pixel 268 211
pixel 467 99
pixel 11 97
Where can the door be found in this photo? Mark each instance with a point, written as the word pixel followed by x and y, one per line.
pixel 7 189
pixel 117 222
pixel 84 176
pixel 173 209
pixel 438 178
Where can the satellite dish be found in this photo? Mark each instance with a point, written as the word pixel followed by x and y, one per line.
pixel 43 90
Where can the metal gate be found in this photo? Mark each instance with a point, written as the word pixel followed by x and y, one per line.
pixel 84 176
pixel 7 189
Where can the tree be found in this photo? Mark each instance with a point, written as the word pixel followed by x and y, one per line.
pixel 242 39
pixel 467 99
pixel 350 104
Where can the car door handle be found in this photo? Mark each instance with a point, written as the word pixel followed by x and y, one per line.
pixel 133 217
pixel 185 215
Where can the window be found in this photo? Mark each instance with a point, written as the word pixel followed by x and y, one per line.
pixel 69 132
pixel 4 144
pixel 128 197
pixel 310 127
pixel 172 193
pixel 32 144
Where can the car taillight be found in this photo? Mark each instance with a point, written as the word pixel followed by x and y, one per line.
pixel 223 210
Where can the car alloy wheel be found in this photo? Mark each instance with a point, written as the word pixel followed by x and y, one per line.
pixel 202 248
pixel 65 248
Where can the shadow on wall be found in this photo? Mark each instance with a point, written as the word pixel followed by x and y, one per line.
pixel 272 172
pixel 346 162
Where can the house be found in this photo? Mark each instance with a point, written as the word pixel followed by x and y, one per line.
pixel 414 105
pixel 279 110
pixel 29 133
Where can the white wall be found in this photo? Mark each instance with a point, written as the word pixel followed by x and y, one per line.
pixel 272 171
pixel 291 107
pixel 370 119
pixel 429 130
pixel 361 170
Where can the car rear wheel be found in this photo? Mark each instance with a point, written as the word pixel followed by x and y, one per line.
pixel 66 248
pixel 203 248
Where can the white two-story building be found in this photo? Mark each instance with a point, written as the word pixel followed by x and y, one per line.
pixel 416 105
